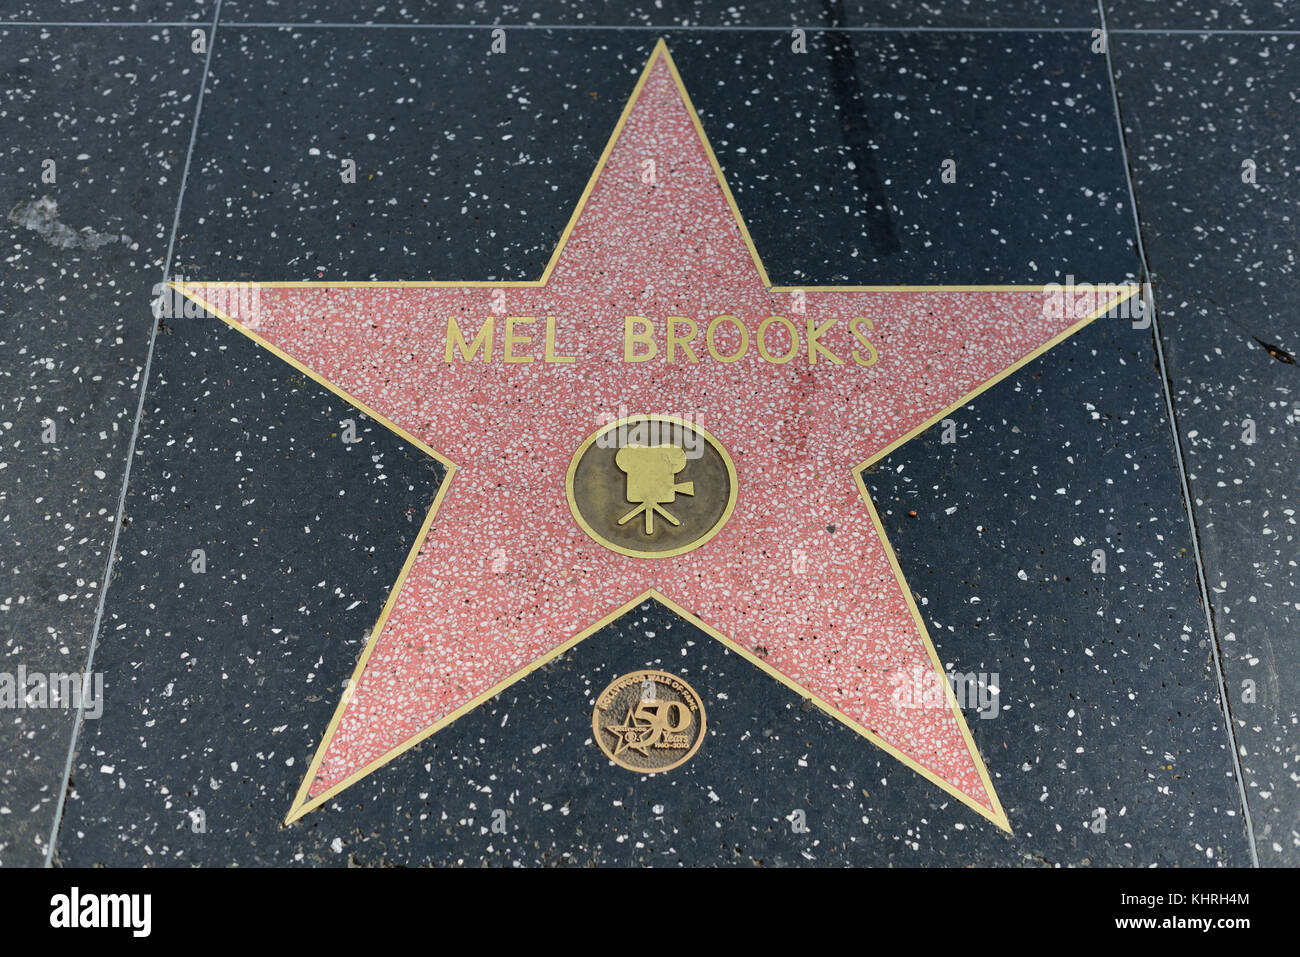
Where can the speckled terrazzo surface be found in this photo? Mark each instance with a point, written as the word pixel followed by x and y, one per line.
pixel 112 109
pixel 700 13
pixel 431 207
pixel 1232 337
pixel 219 684
pixel 107 11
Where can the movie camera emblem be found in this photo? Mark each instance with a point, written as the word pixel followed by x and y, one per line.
pixel 651 486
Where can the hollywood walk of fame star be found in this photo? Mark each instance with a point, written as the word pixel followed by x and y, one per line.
pixel 503 381
pixel 630 734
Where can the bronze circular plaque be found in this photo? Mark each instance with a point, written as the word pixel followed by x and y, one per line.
pixel 651 486
pixel 649 721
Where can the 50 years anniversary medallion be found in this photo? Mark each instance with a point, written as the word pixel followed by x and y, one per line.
pixel 649 721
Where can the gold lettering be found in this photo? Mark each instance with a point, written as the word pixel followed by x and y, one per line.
pixel 674 340
pixel 482 341
pixel 874 356
pixel 646 336
pixel 815 332
pixel 711 332
pixel 762 340
pixel 513 340
pixel 549 355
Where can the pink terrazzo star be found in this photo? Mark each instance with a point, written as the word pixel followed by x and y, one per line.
pixel 505 577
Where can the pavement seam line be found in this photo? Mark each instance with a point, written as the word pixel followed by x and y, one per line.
pixel 130 451
pixel 1166 386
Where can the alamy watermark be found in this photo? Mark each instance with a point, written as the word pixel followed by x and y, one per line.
pixel 1071 299
pixel 678 430
pixel 922 687
pixel 23 690
pixel 236 300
